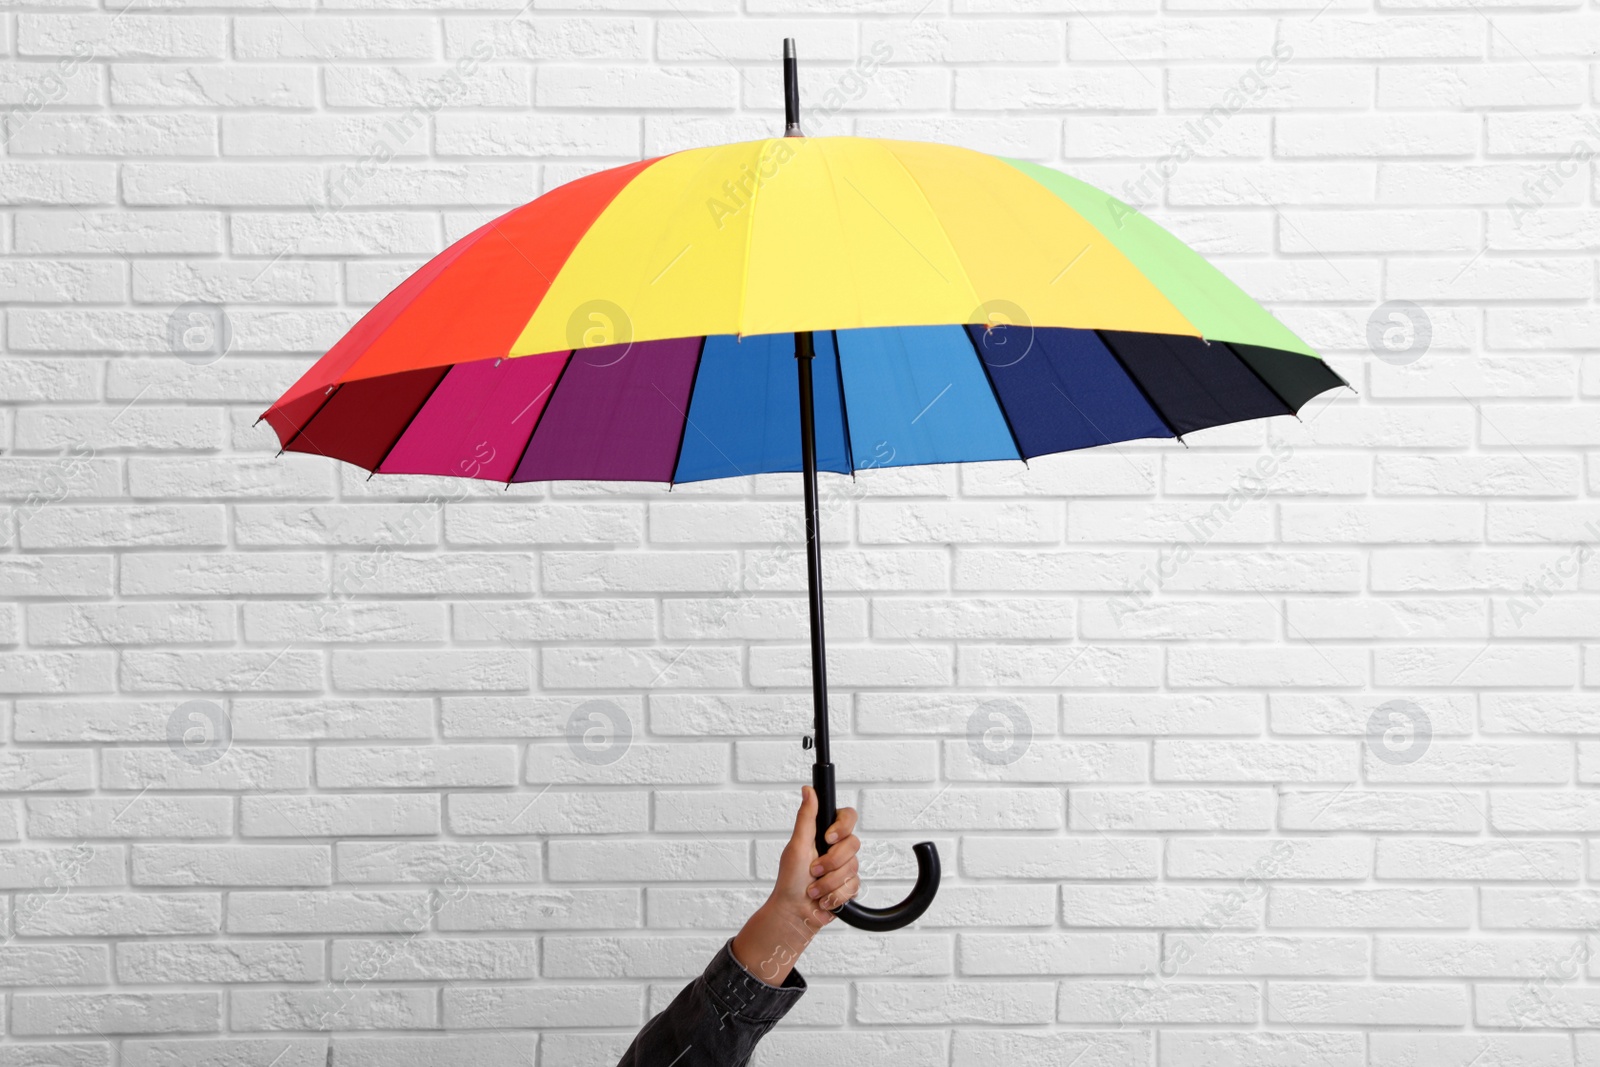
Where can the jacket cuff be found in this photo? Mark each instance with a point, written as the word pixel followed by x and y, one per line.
pixel 742 994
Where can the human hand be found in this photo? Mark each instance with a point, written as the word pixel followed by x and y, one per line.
pixel 806 891
pixel 819 884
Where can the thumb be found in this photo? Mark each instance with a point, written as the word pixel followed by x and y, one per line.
pixel 805 822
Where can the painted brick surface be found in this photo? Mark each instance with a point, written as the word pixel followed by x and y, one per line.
pixel 1281 748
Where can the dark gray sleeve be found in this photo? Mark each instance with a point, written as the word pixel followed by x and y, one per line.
pixel 716 1020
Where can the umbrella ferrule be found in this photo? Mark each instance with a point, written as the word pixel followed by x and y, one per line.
pixel 791 90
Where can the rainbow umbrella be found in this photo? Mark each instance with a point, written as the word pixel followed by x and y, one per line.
pixel 645 323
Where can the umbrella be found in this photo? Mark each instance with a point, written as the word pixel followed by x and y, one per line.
pixel 797 304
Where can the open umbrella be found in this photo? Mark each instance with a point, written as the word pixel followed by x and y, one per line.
pixel 940 304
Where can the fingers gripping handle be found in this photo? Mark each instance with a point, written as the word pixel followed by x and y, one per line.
pixel 860 916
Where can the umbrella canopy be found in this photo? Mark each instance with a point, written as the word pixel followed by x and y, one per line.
pixel 796 304
pixel 638 323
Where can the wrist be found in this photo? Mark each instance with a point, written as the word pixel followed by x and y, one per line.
pixel 771 941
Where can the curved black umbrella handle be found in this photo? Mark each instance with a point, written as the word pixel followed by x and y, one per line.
pixel 878 920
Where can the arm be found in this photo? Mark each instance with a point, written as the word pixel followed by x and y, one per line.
pixel 751 983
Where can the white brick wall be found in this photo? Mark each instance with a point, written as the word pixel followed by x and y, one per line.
pixel 1280 749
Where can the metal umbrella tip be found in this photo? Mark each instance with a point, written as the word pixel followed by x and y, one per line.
pixel 788 48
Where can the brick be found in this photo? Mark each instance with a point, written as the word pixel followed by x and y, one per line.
pixel 1381 810
pixel 156 963
pixel 56 672
pixel 324 911
pixel 1170 809
pixel 296 37
pixel 56 576
pixel 433 959
pixel 247 1052
pixel 375 815
pixel 220 671
pixel 1056 858
pixel 1250 761
pixel 122 915
pixel 418 766
pixel 35 1014
pixel 231 865
pixel 64 867
pixel 890 1003
pixel 1396 1003
pixel 1393 1049
pixel 333 1009
pixel 1164 1002
pixel 242 768
pixel 355 718
pixel 419 669
pixel 137 85
pixel 130 817
pixel 1297 955
pixel 449 862
pixel 1405 956
pixel 554 1004
pixel 1053 90
pixel 56 965
pixel 1280 859
pixel 541 910
pixel 1336 1049
pixel 1295 906
pixel 489 1050
pixel 45 771
pixel 548 811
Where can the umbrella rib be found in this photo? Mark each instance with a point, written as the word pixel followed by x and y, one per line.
pixel 540 420
pixel 407 424
pixel 844 407
pixel 683 431
pixel 1137 384
pixel 994 391
pixel 749 241
pixel 1262 379
pixel 712 443
pixel 916 184
pixel 307 424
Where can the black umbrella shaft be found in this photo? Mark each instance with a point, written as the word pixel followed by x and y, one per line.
pixel 804 352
